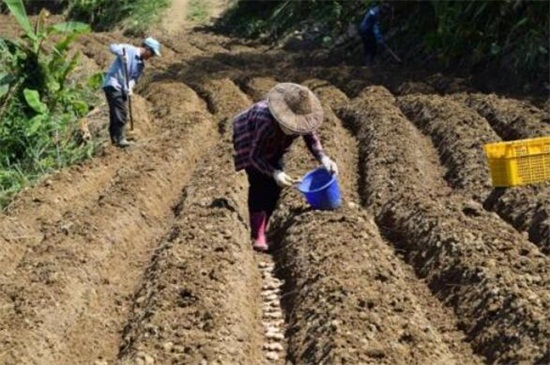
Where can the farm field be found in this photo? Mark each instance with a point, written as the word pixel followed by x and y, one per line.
pixel 143 256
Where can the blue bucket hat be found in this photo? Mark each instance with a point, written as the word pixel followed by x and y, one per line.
pixel 153 45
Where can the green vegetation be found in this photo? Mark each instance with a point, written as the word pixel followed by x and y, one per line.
pixel 39 104
pixel 198 10
pixel 510 35
pixel 34 7
pixel 273 19
pixel 135 16
pixel 486 32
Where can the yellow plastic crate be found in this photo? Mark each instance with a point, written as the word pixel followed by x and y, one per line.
pixel 521 162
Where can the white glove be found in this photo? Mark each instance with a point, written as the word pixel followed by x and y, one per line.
pixel 131 85
pixel 329 165
pixel 282 179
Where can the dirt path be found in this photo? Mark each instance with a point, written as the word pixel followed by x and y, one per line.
pixel 184 14
pixel 143 256
pixel 175 17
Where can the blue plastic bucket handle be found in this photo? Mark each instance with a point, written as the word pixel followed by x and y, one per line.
pixel 321 190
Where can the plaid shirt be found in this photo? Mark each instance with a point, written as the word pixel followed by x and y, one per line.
pixel 260 143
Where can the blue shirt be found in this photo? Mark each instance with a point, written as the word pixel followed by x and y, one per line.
pixel 115 74
pixel 371 23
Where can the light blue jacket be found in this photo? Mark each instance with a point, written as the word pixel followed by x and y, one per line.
pixel 115 74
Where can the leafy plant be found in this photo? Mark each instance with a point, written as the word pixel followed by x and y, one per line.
pixel 134 15
pixel 31 67
pixel 509 35
pixel 39 103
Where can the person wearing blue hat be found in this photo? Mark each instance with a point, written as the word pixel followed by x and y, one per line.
pixel 123 74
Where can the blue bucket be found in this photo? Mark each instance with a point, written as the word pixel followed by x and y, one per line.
pixel 321 189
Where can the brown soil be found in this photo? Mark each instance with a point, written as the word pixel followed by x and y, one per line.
pixel 143 256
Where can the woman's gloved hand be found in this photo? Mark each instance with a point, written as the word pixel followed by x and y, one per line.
pixel 329 165
pixel 282 179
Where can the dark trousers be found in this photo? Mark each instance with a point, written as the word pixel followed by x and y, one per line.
pixel 118 112
pixel 370 46
pixel 263 192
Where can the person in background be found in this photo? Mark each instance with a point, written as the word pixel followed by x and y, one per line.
pixel 370 32
pixel 130 62
pixel 262 135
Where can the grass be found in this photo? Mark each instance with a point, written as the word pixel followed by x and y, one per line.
pixel 198 10
pixel 144 13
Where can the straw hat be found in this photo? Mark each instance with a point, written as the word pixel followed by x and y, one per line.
pixel 295 107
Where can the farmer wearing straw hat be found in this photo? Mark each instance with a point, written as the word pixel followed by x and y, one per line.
pixel 118 87
pixel 262 134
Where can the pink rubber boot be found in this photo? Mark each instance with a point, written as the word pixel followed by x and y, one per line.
pixel 258 223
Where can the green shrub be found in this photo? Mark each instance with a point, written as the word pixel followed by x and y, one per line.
pixel 134 15
pixel 39 104
pixel 510 35
pixel 490 32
